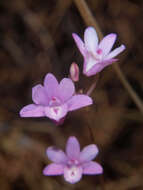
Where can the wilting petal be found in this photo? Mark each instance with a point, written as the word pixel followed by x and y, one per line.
pixel 115 52
pixel 66 89
pixel 32 110
pixel 90 39
pixel 79 44
pixel 73 148
pixel 51 85
pixel 107 43
pixel 39 95
pixel 56 112
pixel 53 169
pixel 72 174
pixel 99 67
pixel 56 155
pixel 92 168
pixel 88 153
pixel 79 101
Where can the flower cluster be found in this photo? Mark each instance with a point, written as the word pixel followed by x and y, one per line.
pixel 54 100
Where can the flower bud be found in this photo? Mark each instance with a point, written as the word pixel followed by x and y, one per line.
pixel 74 72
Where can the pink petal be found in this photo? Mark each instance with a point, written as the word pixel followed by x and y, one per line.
pixel 56 112
pixel 107 43
pixel 79 44
pixel 39 95
pixel 115 52
pixel 90 39
pixel 53 169
pixel 89 63
pixel 92 168
pixel 73 174
pixel 73 148
pixel 51 85
pixel 88 153
pixel 66 89
pixel 99 67
pixel 79 101
pixel 56 155
pixel 32 110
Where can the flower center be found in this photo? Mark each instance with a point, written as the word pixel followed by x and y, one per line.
pixel 56 110
pixel 54 102
pixel 99 51
pixel 97 55
pixel 73 174
pixel 94 58
pixel 73 162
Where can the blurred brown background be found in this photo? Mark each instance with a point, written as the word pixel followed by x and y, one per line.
pixel 35 38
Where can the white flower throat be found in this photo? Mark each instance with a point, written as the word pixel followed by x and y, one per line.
pixel 93 58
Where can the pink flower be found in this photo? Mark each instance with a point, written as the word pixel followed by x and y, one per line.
pixel 54 100
pixel 96 56
pixel 73 164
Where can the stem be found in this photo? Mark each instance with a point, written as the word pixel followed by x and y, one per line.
pixel 90 20
pixel 91 88
pixel 93 85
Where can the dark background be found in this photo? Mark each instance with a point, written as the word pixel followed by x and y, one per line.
pixel 35 38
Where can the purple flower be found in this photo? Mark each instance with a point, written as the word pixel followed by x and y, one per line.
pixel 54 99
pixel 96 56
pixel 73 163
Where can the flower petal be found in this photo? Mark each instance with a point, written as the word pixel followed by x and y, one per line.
pixel 79 101
pixel 92 168
pixel 56 112
pixel 107 43
pixel 73 174
pixel 88 153
pixel 66 89
pixel 39 95
pixel 90 39
pixel 73 148
pixel 89 63
pixel 79 44
pixel 53 169
pixel 115 52
pixel 56 155
pixel 51 85
pixel 32 110
pixel 99 67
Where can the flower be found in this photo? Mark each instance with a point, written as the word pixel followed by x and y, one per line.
pixel 96 56
pixel 73 163
pixel 54 99
pixel 74 72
